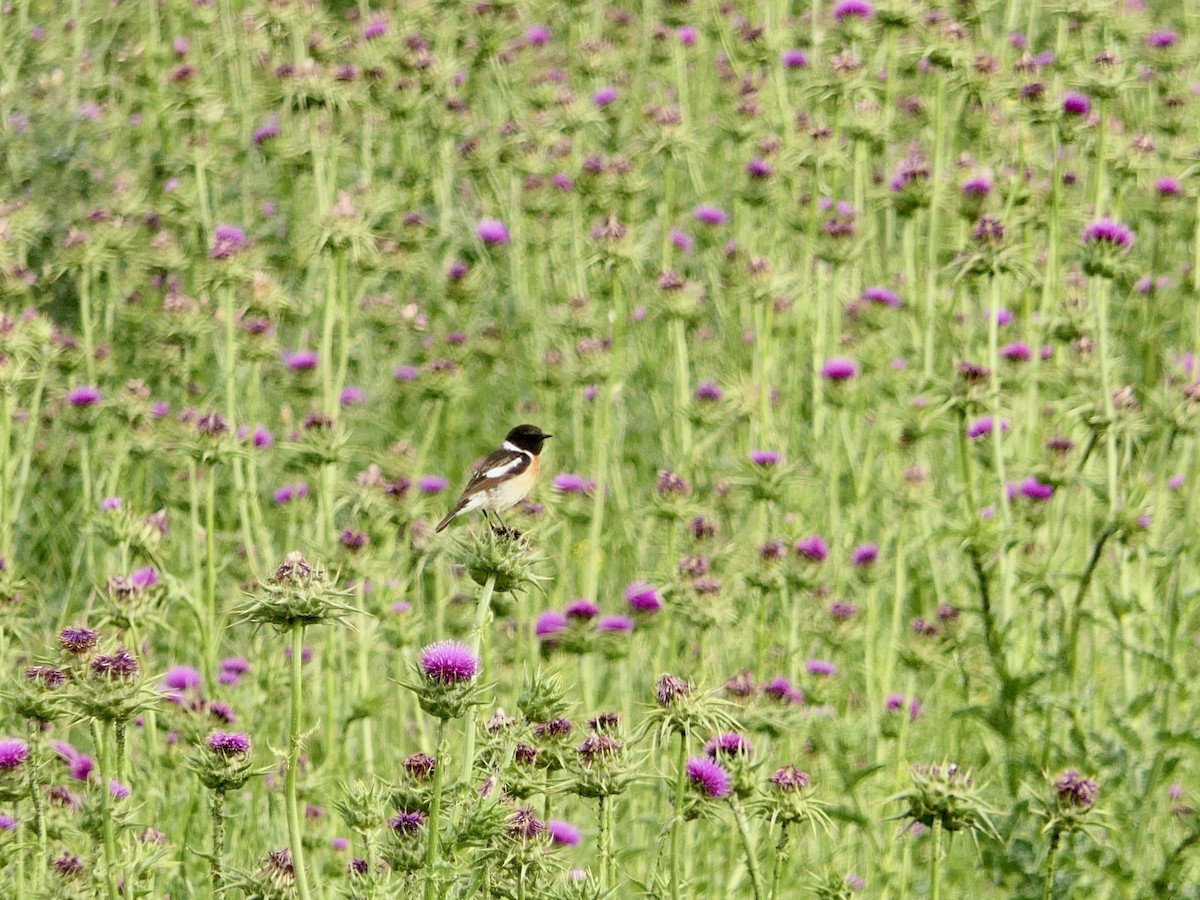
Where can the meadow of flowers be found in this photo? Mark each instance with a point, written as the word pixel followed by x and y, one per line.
pixel 863 561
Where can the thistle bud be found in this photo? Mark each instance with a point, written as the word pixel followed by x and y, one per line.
pixel 296 594
pixel 222 761
pixel 946 794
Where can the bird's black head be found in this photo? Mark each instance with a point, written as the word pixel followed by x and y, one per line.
pixel 527 437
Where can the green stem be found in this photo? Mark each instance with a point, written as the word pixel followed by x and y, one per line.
pixel 743 827
pixel 935 862
pixel 218 843
pixel 1051 864
pixel 782 853
pixel 293 765
pixel 210 572
pixel 483 611
pixel 677 822
pixel 605 841
pixel 110 837
pixel 435 815
pixel 1100 291
pixel 931 238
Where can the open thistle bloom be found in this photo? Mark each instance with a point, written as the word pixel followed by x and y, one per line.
pixel 709 778
pixel 1105 243
pixel 643 598
pixel 449 662
pixel 447 687
pixel 492 232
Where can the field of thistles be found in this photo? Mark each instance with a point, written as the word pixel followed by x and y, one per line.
pixel 863 563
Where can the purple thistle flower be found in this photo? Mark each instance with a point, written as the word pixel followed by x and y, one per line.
pixel 432 484
pixel 563 833
pixel 1161 40
pixel 765 458
pixel 789 778
pixel 549 624
pixel 812 548
pixel 262 437
pixel 1003 316
pixel 449 662
pixel 759 168
pixel 537 35
pixel 117 790
pixel 407 821
pixel 289 492
pixel 614 625
pixel 882 296
pixel 143 579
pixel 78 640
pixel 492 232
pixel 729 744
pixel 569 483
pixel 709 392
pixel 8 823
pixel 376 28
pixel 983 426
pixel 711 215
pixel 228 240
pixel 121 665
pixel 83 396
pixel 182 678
pixel 267 131
pixel 1075 790
pixel 301 360
pixel 840 369
pixel 687 35
pixel 1076 104
pixel 681 240
pixel 406 373
pixel 643 597
pixel 109 504
pixel 352 395
pixel 227 743
pixel 783 690
pixel 582 609
pixel 339 844
pixel 1168 187
pixel 68 866
pixel 1176 482
pixel 1036 490
pixel 864 554
pixel 794 59
pixel 1110 233
pixel 13 753
pixel 842 611
pixel 604 96
pixel 977 188
pixel 821 668
pixel 852 9
pixel 1017 351
pixel 709 777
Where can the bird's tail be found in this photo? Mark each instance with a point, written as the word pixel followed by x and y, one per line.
pixel 446 521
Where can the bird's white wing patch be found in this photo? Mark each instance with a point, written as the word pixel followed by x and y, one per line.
pixel 513 465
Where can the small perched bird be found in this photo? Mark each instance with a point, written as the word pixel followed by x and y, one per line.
pixel 504 478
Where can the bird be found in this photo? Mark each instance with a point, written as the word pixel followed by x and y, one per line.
pixel 504 478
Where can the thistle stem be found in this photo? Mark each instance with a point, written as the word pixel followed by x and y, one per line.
pixel 743 827
pixel 435 815
pixel 218 844
pixel 110 837
pixel 483 609
pixel 935 862
pixel 1051 864
pixel 293 764
pixel 677 822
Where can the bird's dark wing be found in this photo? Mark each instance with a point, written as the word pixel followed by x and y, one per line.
pixel 495 468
